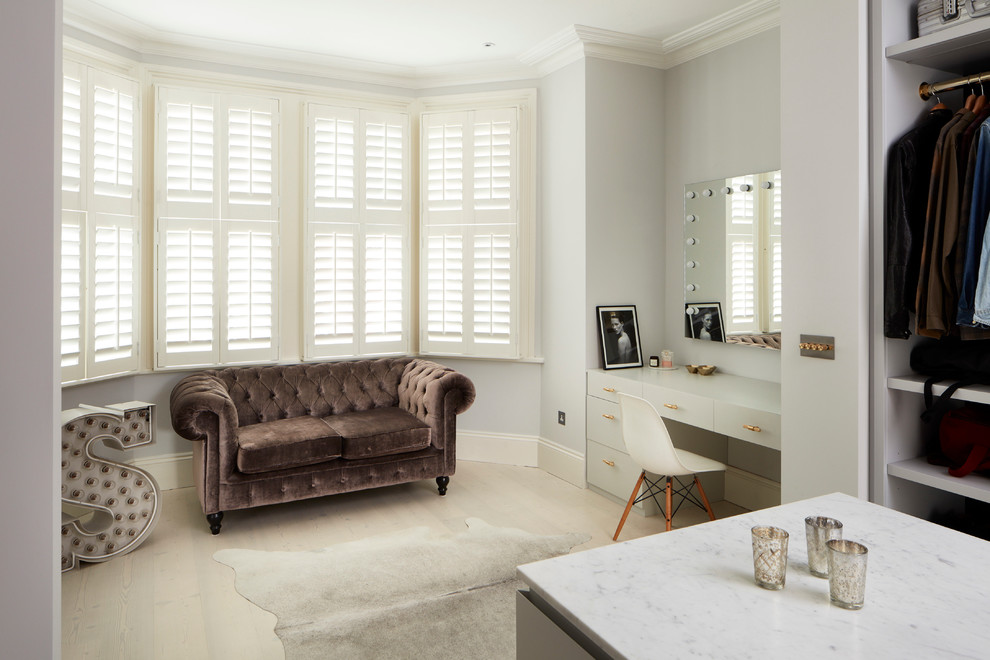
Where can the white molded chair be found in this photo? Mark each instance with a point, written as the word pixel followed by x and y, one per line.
pixel 649 445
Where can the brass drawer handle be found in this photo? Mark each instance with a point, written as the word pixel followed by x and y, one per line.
pixel 749 427
pixel 607 416
pixel 608 462
pixel 672 406
pixel 609 389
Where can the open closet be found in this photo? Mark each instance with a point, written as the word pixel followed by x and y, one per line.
pixel 952 62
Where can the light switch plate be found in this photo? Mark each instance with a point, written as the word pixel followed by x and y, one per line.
pixel 818 346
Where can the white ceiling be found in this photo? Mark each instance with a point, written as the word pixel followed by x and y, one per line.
pixel 413 34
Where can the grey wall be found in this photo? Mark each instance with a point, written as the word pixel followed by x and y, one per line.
pixel 825 402
pixel 564 312
pixel 30 77
pixel 625 198
pixel 722 119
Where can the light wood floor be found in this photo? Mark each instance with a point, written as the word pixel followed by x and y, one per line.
pixel 168 599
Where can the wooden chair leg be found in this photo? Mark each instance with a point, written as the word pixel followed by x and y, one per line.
pixel 704 498
pixel 667 512
pixel 632 498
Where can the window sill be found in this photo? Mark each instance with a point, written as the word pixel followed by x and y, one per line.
pixel 192 368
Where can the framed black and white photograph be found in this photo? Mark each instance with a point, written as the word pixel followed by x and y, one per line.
pixel 619 333
pixel 705 321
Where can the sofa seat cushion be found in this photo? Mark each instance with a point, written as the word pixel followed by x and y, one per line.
pixel 286 443
pixel 379 432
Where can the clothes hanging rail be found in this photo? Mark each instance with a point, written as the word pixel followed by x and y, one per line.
pixel 928 90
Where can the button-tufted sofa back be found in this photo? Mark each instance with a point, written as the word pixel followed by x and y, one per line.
pixel 269 393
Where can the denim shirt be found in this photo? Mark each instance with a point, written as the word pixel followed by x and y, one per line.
pixel 979 209
pixel 976 265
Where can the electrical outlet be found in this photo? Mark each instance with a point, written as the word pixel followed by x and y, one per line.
pixel 561 418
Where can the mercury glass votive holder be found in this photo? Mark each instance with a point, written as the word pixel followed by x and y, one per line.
pixel 817 531
pixel 846 573
pixel 770 556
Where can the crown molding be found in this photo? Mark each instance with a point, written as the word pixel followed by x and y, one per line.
pixel 154 46
pixel 572 44
pixel 556 52
pixel 720 31
pixel 577 41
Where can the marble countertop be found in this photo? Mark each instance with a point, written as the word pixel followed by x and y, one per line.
pixel 690 592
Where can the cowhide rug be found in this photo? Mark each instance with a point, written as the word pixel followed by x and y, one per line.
pixel 408 594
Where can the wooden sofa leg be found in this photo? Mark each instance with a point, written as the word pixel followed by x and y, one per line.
pixel 442 484
pixel 214 520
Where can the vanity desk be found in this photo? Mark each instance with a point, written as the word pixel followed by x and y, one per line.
pixel 739 408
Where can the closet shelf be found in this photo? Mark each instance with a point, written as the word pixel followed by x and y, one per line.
pixel 918 470
pixel 952 49
pixel 916 383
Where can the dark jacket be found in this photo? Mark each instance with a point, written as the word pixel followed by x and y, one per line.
pixel 908 178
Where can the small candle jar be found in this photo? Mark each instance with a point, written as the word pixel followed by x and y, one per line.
pixel 654 361
pixel 667 359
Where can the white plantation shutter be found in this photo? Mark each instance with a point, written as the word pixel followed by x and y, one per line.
pixel 470 270
pixel 217 211
pixel 776 279
pixel 444 149
pixel 742 294
pixel 72 125
pixel 384 287
pixel 100 302
pixel 741 236
pixel 332 164
pixel 492 164
pixel 113 141
pixel 357 232
pixel 114 284
pixel 444 266
pixel 493 287
pixel 189 154
pixel 187 315
pixel 334 279
pixel 71 294
pixel 250 250
pixel 384 154
pixel 250 158
pixel 753 244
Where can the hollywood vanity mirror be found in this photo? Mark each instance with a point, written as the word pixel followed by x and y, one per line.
pixel 732 252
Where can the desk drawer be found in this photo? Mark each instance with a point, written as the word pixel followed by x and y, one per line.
pixel 680 406
pixel 603 423
pixel 606 386
pixel 756 426
pixel 612 471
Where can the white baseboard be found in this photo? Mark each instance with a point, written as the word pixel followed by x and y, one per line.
pixel 169 470
pixel 562 462
pixel 750 491
pixel 175 470
pixel 501 448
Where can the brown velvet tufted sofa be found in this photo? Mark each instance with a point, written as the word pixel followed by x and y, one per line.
pixel 271 434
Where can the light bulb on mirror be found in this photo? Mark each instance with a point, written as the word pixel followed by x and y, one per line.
pixel 690 194
pixel 691 287
pixel 691 311
pixel 707 192
pixel 691 264
pixel 727 190
pixel 767 185
pixel 692 218
pixel 691 241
